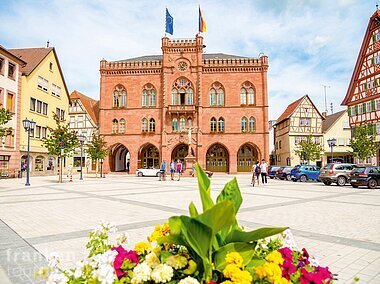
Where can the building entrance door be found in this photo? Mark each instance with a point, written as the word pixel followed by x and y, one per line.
pixel 247 157
pixel 217 159
pixel 149 157
pixel 118 156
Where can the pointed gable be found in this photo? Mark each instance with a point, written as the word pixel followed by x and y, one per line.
pixel 289 110
pixel 91 106
pixel 366 75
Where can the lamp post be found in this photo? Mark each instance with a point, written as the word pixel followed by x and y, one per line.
pixel 29 126
pixel 81 139
pixel 332 143
pixel 101 167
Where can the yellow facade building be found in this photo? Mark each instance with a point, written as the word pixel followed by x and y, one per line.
pixel 44 92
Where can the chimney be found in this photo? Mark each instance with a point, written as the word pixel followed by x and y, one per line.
pixel 324 114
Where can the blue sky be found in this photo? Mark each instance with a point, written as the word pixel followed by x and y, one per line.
pixel 309 43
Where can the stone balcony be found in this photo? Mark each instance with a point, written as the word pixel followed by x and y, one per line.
pixel 181 109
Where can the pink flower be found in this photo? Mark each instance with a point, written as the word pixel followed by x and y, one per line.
pixel 305 253
pixel 123 254
pixel 286 254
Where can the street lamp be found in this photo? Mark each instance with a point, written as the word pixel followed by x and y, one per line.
pixel 29 126
pixel 101 167
pixel 332 143
pixel 81 139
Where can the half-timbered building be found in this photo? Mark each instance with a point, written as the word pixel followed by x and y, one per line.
pixel 363 94
pixel 299 120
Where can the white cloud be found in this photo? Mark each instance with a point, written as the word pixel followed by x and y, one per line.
pixel 309 42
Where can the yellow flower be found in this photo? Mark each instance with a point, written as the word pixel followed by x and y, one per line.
pixel 227 282
pixel 275 257
pixel 142 247
pixel 281 281
pixel 273 271
pixel 234 258
pixel 176 261
pixel 231 270
pixel 242 277
pixel 159 231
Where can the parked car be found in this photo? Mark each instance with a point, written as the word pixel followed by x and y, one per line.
pixel 152 172
pixel 304 173
pixel 365 176
pixel 283 173
pixel 272 170
pixel 336 173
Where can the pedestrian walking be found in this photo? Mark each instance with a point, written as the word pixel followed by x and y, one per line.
pixel 256 174
pixel 172 169
pixel 264 171
pixel 179 169
pixel 163 171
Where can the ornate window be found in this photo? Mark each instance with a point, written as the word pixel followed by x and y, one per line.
pixel 152 125
pixel 175 125
pixel 119 96
pixel 182 124
pixel 115 126
pixel 144 125
pixel 182 92
pixel 244 126
pixel 189 122
pixel 221 124
pixel 252 124
pixel 149 96
pixel 122 126
pixel 217 95
pixel 213 125
pixel 247 94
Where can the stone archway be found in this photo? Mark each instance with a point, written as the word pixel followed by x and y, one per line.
pixel 119 158
pixel 180 152
pixel 247 156
pixel 149 157
pixel 217 158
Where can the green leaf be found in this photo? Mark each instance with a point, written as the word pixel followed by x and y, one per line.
pixel 172 239
pixel 175 225
pixel 219 216
pixel 244 249
pixel 262 233
pixel 204 188
pixel 193 210
pixel 254 263
pixel 231 192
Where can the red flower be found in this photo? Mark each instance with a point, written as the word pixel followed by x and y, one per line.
pixel 286 254
pixel 288 268
pixel 305 253
pixel 123 254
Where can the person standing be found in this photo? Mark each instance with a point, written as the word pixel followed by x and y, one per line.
pixel 162 171
pixel 179 169
pixel 264 171
pixel 172 169
pixel 256 173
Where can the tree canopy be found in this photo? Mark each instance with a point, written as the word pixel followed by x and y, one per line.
pixel 97 148
pixel 5 116
pixel 363 142
pixel 308 150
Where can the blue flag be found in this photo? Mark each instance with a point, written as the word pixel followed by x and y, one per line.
pixel 169 23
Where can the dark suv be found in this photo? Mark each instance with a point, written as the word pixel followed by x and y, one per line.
pixel 365 176
pixel 337 173
pixel 284 173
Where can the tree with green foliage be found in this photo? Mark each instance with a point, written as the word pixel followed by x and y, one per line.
pixel 363 142
pixel 5 116
pixel 308 150
pixel 61 141
pixel 97 148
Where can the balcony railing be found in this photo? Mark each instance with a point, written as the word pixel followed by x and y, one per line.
pixel 181 109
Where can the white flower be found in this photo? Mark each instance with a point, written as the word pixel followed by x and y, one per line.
pixel 107 257
pixel 56 277
pixel 105 274
pixel 289 240
pixel 313 261
pixel 141 273
pixel 53 260
pixel 122 238
pixel 78 269
pixel 152 260
pixel 162 273
pixel 189 280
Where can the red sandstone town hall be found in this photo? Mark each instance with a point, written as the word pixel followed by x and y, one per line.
pixel 155 108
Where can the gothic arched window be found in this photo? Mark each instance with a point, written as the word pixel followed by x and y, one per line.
pixel 251 124
pixel 144 125
pixel 182 124
pixel 175 125
pixel 244 124
pixel 221 124
pixel 115 126
pixel 247 94
pixel 182 92
pixel 152 125
pixel 149 96
pixel 213 125
pixel 122 126
pixel 119 96
pixel 216 94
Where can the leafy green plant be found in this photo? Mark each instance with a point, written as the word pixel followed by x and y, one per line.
pixel 209 236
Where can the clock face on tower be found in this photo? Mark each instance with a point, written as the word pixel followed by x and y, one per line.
pixel 182 66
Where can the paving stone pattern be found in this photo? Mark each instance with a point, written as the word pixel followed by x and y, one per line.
pixel 339 225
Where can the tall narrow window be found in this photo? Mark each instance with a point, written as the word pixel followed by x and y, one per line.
pixel 189 122
pixel 122 126
pixel 220 124
pixel 251 124
pixel 123 98
pixel 247 94
pixel 182 124
pixel 119 96
pixel 144 125
pixel 175 125
pixel 145 98
pixel 220 101
pixel 10 102
pixel 244 124
pixel 149 95
pixel 116 99
pixel 153 98
pixel 216 94
pixel 152 125
pixel 243 96
pixel 182 92
pixel 251 96
pixel 115 126
pixel 212 97
pixel 213 125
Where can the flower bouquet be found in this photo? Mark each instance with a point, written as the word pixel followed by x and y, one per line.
pixel 205 247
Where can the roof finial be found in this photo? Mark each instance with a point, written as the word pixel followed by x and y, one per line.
pixel 47 44
pixel 377 6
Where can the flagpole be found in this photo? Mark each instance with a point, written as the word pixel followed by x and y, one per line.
pixel 165 21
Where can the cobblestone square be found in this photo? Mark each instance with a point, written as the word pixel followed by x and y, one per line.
pixel 339 225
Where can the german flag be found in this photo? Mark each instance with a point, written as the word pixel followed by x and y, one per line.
pixel 202 23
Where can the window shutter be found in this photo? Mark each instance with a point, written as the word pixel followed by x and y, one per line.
pixel 372 61
pixel 349 111
pixel 364 108
pixel 356 109
pixel 373 105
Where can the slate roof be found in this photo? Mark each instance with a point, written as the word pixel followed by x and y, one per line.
pixel 91 105
pixel 204 56
pixel 331 119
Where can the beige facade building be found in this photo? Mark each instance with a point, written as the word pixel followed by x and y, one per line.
pixel 300 119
